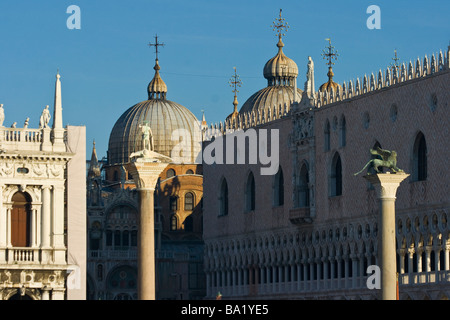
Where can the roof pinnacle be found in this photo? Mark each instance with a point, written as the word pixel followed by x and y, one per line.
pixel 157 89
pixel 280 25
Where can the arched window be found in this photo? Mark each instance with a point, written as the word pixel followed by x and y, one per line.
pixel 336 176
pixel 326 135
pixel 170 173
pixel 278 188
pixel 133 238
pixel 173 222
pixel 189 201
pixel 303 191
pixel 189 171
pixel 342 132
pixel 420 158
pixel 21 220
pixel 223 199
pixel 173 203
pixel 117 239
pixel 109 238
pixel 126 238
pixel 250 193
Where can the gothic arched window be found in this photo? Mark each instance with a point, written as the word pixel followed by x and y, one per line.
pixel 326 135
pixel 278 188
pixel 420 158
pixel 336 176
pixel 342 132
pixel 223 199
pixel 303 192
pixel 250 193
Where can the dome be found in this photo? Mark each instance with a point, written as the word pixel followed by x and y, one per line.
pixel 330 84
pixel 280 67
pixel 270 97
pixel 164 117
pixel 281 74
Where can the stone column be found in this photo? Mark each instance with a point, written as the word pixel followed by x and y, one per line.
pixel 46 224
pixel 3 227
pixel 57 229
pixel 386 185
pixel 145 173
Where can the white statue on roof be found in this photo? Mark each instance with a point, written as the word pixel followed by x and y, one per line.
pixel 45 118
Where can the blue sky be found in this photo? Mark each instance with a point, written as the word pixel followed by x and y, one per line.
pixel 106 66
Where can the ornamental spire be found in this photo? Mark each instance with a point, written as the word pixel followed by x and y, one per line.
pixel 330 54
pixel 280 25
pixel 235 82
pixel 157 89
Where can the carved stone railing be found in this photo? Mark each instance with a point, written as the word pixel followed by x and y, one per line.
pixel 19 255
pixel 22 135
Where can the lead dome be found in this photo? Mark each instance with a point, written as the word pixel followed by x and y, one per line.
pixel 164 117
pixel 281 73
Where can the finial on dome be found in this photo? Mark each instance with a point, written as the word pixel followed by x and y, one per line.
pixel 280 25
pixel 329 53
pixel 235 82
pixel 157 89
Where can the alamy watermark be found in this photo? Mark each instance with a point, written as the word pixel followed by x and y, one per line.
pixel 374 21
pixel 74 20
pixel 252 146
pixel 374 280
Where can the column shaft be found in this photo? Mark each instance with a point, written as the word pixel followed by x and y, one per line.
pixel 146 247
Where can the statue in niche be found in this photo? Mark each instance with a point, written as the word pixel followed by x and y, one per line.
pixel 388 160
pixel 45 118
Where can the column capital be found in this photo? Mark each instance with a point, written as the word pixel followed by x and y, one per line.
pixel 145 173
pixel 386 184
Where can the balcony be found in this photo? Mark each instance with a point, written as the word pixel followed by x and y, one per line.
pixel 19 255
pixel 300 216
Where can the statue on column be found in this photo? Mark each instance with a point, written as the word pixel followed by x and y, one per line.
pixel 388 160
pixel 147 137
pixel 45 118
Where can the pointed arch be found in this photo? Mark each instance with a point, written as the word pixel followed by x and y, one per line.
pixel 223 198
pixel 250 193
pixel 278 188
pixel 342 132
pixel 326 135
pixel 336 176
pixel 303 187
pixel 420 158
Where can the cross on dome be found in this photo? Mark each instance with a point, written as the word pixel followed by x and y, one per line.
pixel 156 45
pixel 279 25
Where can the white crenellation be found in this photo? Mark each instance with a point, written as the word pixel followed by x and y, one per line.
pixel 389 77
pixel 348 90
